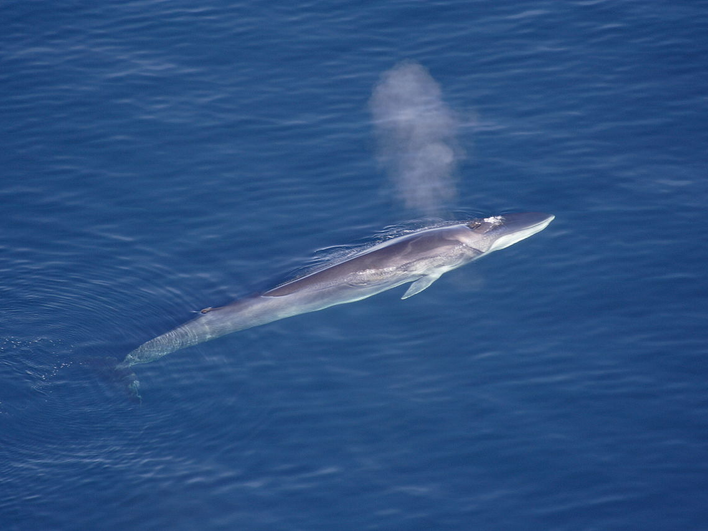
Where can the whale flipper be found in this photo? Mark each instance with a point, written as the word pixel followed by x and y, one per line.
pixel 419 285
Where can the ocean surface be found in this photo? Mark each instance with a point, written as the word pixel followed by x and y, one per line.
pixel 159 157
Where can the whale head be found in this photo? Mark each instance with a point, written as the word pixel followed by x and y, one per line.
pixel 499 232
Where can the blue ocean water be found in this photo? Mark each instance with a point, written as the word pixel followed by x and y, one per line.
pixel 161 157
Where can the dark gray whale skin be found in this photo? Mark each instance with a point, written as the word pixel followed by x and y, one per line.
pixel 419 258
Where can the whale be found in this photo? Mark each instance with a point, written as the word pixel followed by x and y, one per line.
pixel 418 258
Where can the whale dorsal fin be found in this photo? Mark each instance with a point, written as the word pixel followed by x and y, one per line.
pixel 419 285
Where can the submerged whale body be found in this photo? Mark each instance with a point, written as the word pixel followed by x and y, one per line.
pixel 418 258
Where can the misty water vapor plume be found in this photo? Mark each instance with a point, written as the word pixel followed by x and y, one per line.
pixel 416 138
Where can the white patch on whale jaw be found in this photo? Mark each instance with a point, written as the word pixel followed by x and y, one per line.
pixel 510 239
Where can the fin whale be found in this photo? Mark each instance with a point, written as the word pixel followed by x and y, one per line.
pixel 418 259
